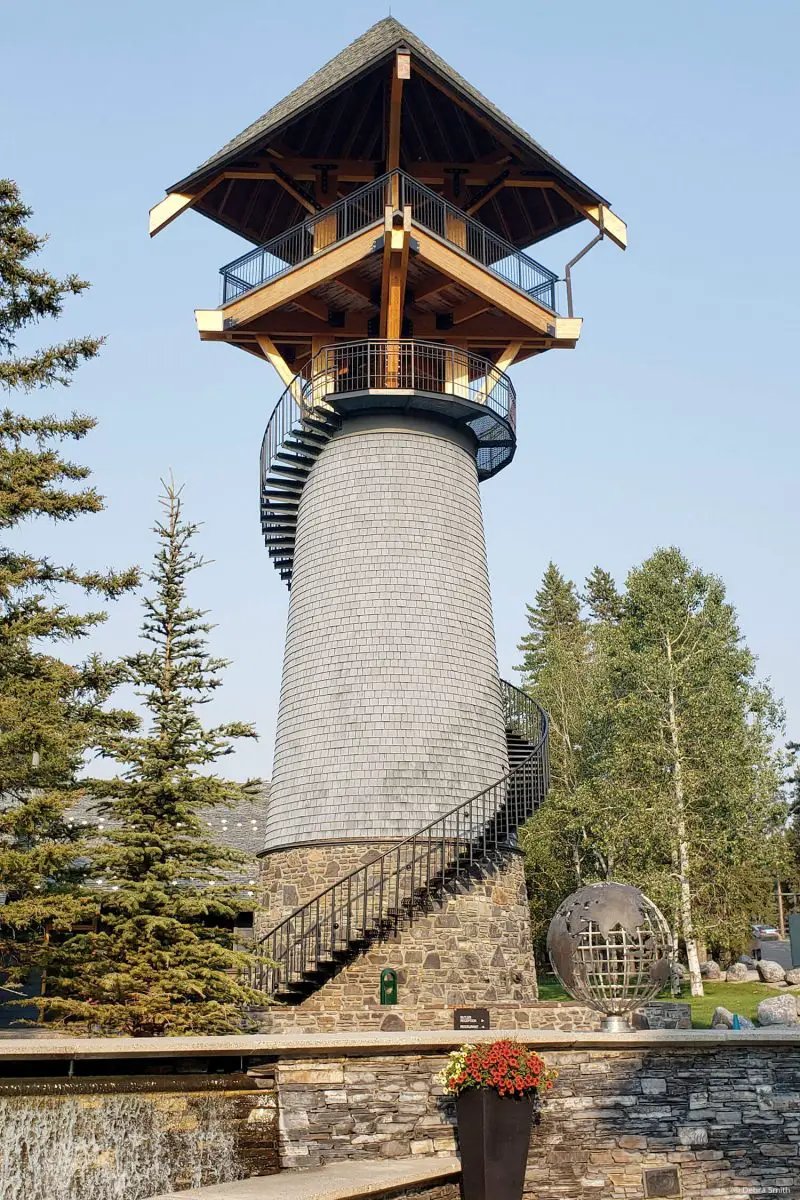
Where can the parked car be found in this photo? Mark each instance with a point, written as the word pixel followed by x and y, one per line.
pixel 766 933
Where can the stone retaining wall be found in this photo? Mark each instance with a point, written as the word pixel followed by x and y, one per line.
pixel 727 1120
pixel 550 1015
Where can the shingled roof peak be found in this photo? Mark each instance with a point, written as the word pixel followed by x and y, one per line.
pixel 361 55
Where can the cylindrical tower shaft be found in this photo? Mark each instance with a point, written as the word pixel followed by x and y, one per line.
pixel 390 710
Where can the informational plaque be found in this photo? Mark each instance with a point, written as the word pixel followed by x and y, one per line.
pixel 471 1018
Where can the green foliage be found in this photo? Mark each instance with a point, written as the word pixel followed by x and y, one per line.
pixel 51 711
pixel 675 786
pixel 162 958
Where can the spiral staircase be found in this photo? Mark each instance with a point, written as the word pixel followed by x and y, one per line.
pixel 415 875
pixel 357 377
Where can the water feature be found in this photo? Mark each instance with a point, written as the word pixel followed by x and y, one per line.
pixel 65 1140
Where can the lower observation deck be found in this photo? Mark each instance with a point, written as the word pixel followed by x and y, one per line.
pixel 369 376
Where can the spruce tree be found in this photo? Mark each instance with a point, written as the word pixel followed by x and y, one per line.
pixel 51 711
pixel 556 671
pixel 163 959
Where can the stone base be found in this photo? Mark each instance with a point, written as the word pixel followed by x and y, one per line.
pixel 397 1018
pixel 471 950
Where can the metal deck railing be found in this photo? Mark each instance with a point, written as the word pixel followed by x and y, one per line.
pixel 366 207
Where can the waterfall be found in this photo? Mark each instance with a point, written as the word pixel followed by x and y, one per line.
pixel 113 1146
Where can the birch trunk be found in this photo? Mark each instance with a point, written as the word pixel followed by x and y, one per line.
pixel 687 923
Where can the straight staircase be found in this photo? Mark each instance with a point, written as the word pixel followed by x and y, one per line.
pixel 415 875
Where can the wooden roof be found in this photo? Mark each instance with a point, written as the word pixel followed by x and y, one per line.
pixel 339 113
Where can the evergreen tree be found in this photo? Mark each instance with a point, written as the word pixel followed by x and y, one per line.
pixel 553 668
pixel 692 747
pixel 163 958
pixel 51 711
pixel 556 670
pixel 602 598
pixel 672 783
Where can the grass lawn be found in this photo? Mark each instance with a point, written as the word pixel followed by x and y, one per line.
pixel 743 998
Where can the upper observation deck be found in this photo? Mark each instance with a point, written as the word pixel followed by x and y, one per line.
pixel 392 252
pixel 387 198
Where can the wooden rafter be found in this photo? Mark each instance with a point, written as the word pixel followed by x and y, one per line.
pixel 469 309
pixel 313 306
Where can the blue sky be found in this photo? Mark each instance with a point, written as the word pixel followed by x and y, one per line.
pixel 675 421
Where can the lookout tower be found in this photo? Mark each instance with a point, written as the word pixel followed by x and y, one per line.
pixel 390 208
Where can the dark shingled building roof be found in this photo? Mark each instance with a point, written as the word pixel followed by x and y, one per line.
pixel 239 828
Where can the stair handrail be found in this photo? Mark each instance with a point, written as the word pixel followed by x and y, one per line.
pixel 526 703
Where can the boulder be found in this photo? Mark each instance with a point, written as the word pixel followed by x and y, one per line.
pixel 710 970
pixel 793 976
pixel 722 1018
pixel 739 973
pixel 747 961
pixel 770 971
pixel 778 1010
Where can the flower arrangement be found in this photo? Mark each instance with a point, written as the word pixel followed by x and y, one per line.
pixel 507 1067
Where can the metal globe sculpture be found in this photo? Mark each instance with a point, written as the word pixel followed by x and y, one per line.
pixel 610 947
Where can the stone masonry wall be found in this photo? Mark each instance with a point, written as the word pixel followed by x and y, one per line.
pixel 727 1118
pixel 390 709
pixel 474 949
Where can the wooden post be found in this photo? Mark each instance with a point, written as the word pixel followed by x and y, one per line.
pixel 397 241
pixel 456 370
pixel 455 227
pixel 401 70
pixel 322 380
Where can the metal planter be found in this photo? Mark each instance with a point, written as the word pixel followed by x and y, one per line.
pixel 494 1133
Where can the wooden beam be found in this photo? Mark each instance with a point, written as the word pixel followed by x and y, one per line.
pixel 469 309
pixel 354 283
pixel 286 288
pixel 284 326
pixel 599 214
pixel 273 356
pixel 484 329
pixel 488 192
pixel 401 70
pixel 397 240
pixel 348 170
pixel 483 283
pixel 508 355
pixel 209 320
pixel 288 185
pixel 175 203
pixel 568 328
pixel 313 306
pixel 434 283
